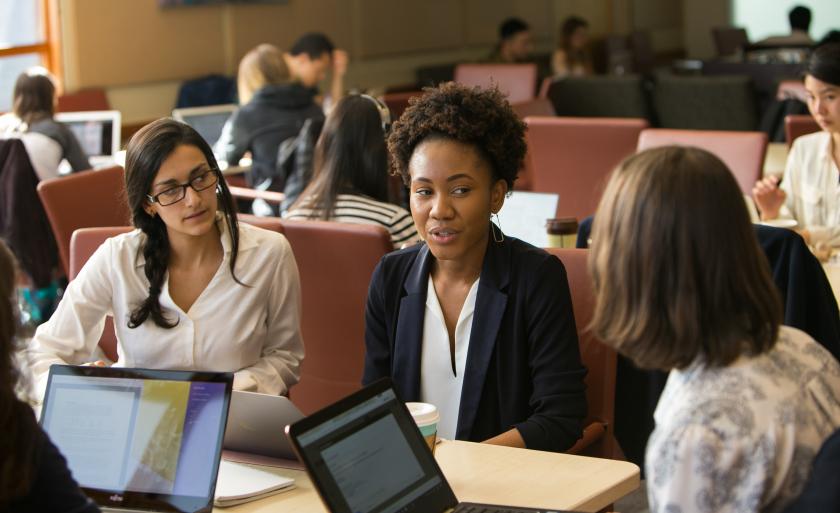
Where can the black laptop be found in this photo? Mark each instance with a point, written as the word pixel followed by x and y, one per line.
pixel 365 454
pixel 139 439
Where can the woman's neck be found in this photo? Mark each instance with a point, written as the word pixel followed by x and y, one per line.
pixel 466 269
pixel 194 251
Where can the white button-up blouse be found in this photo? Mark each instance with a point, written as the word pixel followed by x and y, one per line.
pixel 251 329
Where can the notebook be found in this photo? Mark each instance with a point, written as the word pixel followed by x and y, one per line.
pixel 139 439
pixel 239 483
pixel 365 454
pixel 524 215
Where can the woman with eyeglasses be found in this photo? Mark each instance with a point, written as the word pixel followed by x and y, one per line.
pixel 190 288
pixel 350 183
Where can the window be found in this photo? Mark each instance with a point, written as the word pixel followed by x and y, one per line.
pixel 27 38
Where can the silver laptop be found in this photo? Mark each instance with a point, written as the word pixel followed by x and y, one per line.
pixel 139 439
pixel 98 131
pixel 257 423
pixel 524 215
pixel 207 121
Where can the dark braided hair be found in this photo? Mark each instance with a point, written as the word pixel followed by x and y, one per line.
pixel 145 153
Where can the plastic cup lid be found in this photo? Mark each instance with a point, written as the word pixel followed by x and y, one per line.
pixel 423 413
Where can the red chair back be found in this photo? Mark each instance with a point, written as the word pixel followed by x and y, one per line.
pixel 742 152
pixel 82 245
pixel 573 157
pixel 398 102
pixel 84 200
pixel 797 125
pixel 335 261
pixel 86 99
pixel 516 81
pixel 599 359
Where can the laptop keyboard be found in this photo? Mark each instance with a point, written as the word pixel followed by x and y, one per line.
pixel 468 507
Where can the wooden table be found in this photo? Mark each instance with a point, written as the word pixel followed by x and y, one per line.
pixel 494 474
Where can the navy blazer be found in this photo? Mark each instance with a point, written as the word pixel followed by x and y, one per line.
pixel 523 365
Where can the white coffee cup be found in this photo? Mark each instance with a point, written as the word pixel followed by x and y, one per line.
pixel 426 416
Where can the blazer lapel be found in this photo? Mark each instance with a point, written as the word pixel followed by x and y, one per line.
pixel 490 304
pixel 409 336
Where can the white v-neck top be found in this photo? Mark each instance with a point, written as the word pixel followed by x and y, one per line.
pixel 438 384
pixel 253 331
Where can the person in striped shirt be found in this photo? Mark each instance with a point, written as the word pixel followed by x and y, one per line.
pixel 350 183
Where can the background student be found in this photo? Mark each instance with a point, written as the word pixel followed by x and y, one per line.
pixel 274 108
pixel 350 183
pixel 477 323
pixel 810 189
pixel 190 288
pixel 34 477
pixel 681 285
pixel 310 59
pixel 515 44
pixel 571 58
pixel 47 141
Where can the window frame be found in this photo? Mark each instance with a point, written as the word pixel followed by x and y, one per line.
pixel 49 49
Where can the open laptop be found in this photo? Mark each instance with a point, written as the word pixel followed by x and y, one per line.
pixel 365 454
pixel 98 131
pixel 139 439
pixel 256 422
pixel 207 121
pixel 524 214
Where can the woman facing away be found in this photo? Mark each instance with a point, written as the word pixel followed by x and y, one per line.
pixel 473 321
pixel 47 141
pixel 190 287
pixel 572 57
pixel 274 108
pixel 682 285
pixel 350 183
pixel 33 474
pixel 809 192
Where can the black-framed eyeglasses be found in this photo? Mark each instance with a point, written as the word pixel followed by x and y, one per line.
pixel 176 193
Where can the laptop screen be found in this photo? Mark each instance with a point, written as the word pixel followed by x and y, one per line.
pixel 372 458
pixel 209 126
pixel 138 436
pixel 94 136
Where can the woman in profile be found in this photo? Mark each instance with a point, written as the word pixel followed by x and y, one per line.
pixel 572 57
pixel 47 141
pixel 33 475
pixel 473 321
pixel 681 285
pixel 350 182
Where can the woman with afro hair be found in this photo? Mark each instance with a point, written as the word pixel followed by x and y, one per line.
pixel 477 323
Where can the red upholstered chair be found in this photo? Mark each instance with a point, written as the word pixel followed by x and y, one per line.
pixel 335 261
pixel 792 89
pixel 86 99
pixel 600 360
pixel 517 81
pixel 574 156
pixel 742 152
pixel 796 125
pixel 535 107
pixel 82 245
pixel 84 200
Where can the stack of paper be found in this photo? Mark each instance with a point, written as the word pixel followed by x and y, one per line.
pixel 238 483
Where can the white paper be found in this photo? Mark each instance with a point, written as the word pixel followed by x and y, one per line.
pixel 239 483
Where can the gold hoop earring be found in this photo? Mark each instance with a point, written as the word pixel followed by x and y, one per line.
pixel 496 238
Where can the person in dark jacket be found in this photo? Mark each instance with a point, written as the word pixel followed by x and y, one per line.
pixel 274 110
pixel 475 322
pixel 33 475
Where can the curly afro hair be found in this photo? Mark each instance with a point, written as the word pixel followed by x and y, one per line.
pixel 479 117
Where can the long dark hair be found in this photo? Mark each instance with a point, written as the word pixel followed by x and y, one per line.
pixel 574 56
pixel 145 153
pixel 350 157
pixel 17 422
pixel 34 96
